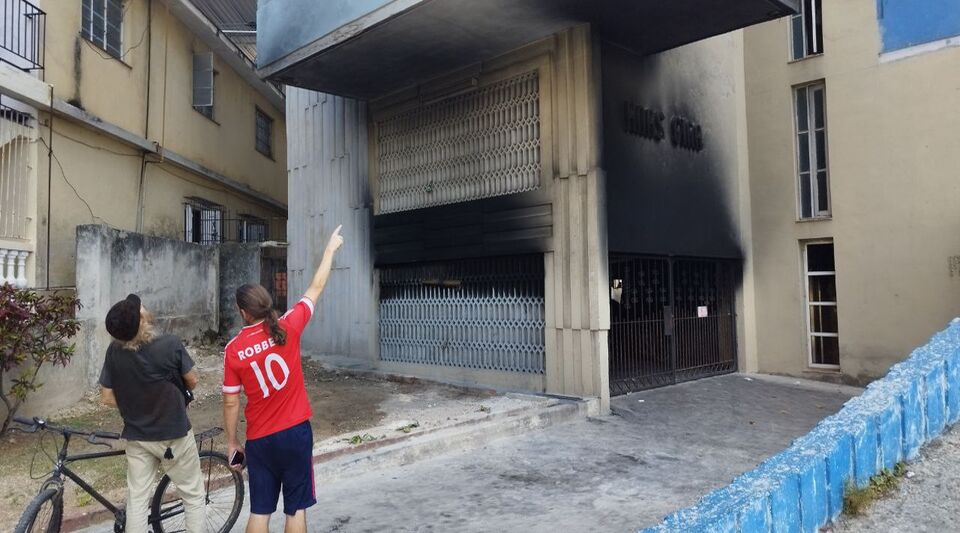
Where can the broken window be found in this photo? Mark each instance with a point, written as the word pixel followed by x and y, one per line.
pixel 806 30
pixel 823 328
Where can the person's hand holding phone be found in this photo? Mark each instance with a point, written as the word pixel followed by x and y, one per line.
pixel 236 457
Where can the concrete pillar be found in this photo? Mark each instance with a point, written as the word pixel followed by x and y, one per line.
pixel 578 309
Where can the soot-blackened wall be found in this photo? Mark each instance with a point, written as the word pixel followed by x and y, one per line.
pixel 670 146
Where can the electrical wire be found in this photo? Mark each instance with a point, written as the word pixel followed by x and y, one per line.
pixel 41 448
pixel 75 191
pixel 78 141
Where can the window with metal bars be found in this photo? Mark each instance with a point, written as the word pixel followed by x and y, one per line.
pixel 264 139
pixel 806 30
pixel 811 124
pixel 823 331
pixel 251 229
pixel 102 25
pixel 203 222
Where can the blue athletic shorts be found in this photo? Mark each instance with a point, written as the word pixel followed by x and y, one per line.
pixel 282 461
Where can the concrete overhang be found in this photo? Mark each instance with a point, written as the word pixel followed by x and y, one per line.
pixel 368 48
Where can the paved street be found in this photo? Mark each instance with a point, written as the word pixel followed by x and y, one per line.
pixel 662 450
pixel 926 501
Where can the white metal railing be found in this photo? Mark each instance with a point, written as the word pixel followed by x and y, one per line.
pixel 17 140
pixel 13 267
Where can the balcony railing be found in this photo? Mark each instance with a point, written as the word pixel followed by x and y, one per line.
pixel 13 267
pixel 22 34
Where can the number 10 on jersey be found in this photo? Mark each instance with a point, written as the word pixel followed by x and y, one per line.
pixel 270 363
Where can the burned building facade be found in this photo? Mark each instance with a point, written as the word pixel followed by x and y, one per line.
pixel 537 196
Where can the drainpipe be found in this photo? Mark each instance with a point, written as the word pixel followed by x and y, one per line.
pixel 49 185
pixel 141 198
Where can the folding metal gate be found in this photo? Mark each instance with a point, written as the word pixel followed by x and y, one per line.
pixel 479 313
pixel 671 320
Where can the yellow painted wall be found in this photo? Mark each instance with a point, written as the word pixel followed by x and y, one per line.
pixel 893 152
pixel 104 174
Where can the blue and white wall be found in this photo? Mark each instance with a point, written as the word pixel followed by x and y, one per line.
pixel 909 23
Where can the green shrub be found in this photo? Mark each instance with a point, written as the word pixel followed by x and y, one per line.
pixel 34 331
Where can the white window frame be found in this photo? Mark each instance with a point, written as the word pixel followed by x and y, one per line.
pixel 204 84
pixel 102 41
pixel 808 305
pixel 815 10
pixel 817 212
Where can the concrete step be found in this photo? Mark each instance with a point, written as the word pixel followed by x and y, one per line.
pixel 464 436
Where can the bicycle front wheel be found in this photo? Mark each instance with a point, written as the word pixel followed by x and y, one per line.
pixel 224 498
pixel 44 513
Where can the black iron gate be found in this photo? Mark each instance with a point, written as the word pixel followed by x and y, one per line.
pixel 671 320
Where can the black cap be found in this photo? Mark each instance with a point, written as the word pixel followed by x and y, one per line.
pixel 123 319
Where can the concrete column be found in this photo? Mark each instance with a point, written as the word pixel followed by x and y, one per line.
pixel 578 310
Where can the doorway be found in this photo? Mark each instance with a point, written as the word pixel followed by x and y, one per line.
pixel 671 320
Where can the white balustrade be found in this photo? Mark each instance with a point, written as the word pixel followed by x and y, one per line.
pixel 13 267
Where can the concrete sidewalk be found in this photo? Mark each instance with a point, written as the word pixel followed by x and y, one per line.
pixel 660 451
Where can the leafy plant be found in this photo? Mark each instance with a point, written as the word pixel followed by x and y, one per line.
pixel 409 427
pixel 360 439
pixel 34 331
pixel 856 500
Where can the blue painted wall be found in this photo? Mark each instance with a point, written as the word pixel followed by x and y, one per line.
pixel 284 26
pixel 905 23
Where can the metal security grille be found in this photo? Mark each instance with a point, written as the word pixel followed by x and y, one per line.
pixel 477 145
pixel 17 149
pixel 484 314
pixel 674 321
pixel 205 222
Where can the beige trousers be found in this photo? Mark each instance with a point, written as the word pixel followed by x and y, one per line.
pixel 143 459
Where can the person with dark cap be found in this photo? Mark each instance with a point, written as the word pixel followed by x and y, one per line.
pixel 143 376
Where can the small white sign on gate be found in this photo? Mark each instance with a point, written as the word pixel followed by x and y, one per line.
pixel 703 312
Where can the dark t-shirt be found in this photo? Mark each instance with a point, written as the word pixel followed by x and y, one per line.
pixel 152 407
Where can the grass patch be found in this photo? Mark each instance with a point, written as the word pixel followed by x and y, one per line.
pixel 857 500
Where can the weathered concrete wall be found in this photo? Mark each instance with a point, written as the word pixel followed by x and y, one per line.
pixel 239 264
pixel 176 280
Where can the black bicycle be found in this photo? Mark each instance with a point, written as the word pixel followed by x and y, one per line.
pixel 224 486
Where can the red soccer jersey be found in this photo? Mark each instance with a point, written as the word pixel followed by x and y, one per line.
pixel 269 374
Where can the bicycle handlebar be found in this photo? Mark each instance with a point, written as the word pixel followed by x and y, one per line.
pixel 37 423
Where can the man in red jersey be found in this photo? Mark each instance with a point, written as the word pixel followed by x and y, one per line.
pixel 263 361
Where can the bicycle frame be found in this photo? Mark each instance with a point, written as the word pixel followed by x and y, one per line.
pixel 61 469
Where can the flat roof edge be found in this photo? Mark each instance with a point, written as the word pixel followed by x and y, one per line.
pixel 339 36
